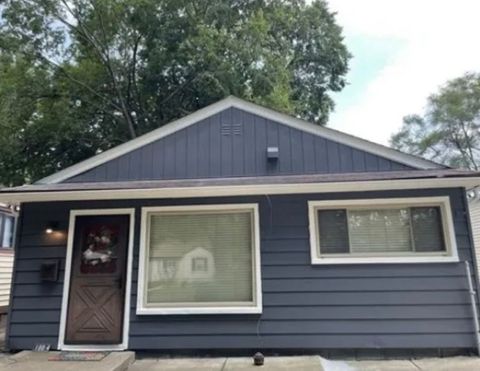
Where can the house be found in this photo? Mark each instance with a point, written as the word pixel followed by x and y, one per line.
pixel 7 227
pixel 474 207
pixel 241 228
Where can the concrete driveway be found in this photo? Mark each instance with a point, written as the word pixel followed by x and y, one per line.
pixel 306 363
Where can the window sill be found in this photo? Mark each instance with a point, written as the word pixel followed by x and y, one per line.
pixel 199 310
pixel 385 260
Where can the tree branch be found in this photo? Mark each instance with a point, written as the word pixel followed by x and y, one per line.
pixel 469 145
pixel 111 72
pixel 104 54
pixel 78 82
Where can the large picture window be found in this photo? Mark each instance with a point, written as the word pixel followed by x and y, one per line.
pixel 382 230
pixel 199 259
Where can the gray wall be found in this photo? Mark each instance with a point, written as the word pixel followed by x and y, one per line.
pixel 234 143
pixel 305 306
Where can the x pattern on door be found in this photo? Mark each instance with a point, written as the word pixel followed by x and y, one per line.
pixel 94 315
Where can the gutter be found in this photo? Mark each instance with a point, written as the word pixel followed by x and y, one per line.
pixel 32 195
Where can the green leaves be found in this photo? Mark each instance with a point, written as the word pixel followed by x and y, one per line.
pixel 104 72
pixel 449 131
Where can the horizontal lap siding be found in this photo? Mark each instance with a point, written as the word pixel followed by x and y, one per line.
pixel 35 307
pixel 234 143
pixel 304 306
pixel 6 265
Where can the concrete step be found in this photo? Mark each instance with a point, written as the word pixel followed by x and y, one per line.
pixel 34 361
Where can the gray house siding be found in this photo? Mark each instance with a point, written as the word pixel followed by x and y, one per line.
pixel 234 143
pixel 304 306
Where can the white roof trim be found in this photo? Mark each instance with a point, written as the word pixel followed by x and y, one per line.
pixel 255 109
pixel 238 190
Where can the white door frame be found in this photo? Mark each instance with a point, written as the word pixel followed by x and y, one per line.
pixel 66 282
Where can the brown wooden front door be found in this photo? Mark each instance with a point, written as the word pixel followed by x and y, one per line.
pixel 97 281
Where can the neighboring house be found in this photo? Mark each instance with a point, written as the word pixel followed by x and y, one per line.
pixel 238 227
pixel 474 206
pixel 7 227
pixel 198 265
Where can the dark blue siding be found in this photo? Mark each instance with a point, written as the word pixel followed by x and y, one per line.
pixel 305 306
pixel 234 143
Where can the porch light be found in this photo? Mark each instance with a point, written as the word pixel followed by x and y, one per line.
pixel 272 153
pixel 51 227
pixel 471 194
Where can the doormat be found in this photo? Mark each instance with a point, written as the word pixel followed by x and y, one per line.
pixel 78 356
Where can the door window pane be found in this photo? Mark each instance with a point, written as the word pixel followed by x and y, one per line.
pixel 100 248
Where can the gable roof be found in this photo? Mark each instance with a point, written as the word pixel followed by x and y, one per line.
pixel 195 117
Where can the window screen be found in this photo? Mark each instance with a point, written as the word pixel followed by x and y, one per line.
pixel 200 259
pixel 383 230
pixel 333 231
pixel 427 229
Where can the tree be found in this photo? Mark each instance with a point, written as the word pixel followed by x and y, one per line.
pixel 449 131
pixel 81 76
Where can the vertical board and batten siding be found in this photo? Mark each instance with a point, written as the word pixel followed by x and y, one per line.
pixel 304 306
pixel 6 267
pixel 474 207
pixel 234 143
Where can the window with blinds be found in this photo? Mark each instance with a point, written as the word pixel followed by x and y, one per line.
pixel 401 228
pixel 200 258
pixel 396 230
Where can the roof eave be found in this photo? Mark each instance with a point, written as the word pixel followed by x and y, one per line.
pixel 239 190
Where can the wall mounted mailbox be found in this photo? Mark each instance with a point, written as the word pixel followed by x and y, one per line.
pixel 49 270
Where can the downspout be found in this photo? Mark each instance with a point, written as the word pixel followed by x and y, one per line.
pixel 473 300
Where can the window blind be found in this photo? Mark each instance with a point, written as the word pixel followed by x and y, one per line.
pixel 222 242
pixel 379 230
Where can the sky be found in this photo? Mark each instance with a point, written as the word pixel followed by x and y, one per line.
pixel 403 51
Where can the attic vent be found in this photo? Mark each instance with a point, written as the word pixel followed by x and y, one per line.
pixel 231 129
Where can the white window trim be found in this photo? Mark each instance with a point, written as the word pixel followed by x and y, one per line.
pixel 66 282
pixel 256 307
pixel 451 254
